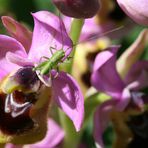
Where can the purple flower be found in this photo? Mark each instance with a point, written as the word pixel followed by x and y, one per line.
pixel 135 9
pixel 124 92
pixel 19 54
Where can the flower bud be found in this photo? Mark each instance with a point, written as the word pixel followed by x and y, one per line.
pixel 132 54
pixel 78 8
pixel 136 9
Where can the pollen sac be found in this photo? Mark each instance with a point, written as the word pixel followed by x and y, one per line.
pixel 78 8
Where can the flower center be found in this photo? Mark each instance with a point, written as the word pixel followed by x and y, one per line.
pixel 24 79
pixel 14 112
pixel 26 76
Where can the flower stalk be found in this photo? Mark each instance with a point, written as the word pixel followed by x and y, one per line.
pixel 71 136
pixel 75 31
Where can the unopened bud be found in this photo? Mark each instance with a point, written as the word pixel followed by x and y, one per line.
pixel 78 8
pixel 135 9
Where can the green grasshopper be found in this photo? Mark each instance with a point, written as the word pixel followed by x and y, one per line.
pixel 51 63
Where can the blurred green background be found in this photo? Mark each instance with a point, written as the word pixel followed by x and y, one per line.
pixel 21 9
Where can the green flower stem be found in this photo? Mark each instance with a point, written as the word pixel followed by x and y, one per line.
pixel 72 137
pixel 75 32
pixel 91 102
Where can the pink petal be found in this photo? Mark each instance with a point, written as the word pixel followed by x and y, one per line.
pixel 101 120
pixel 68 97
pixel 18 31
pixel 53 137
pixel 124 99
pixel 9 44
pixel 49 32
pixel 17 59
pixel 105 77
pixel 136 9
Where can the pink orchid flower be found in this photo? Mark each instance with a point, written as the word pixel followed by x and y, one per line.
pixel 24 50
pixel 123 92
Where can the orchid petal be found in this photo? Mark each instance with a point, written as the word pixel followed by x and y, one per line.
pixel 18 60
pixel 101 120
pixel 132 54
pixel 49 32
pixel 18 31
pixel 137 76
pixel 9 44
pixel 135 9
pixel 124 99
pixel 68 97
pixel 9 145
pixel 138 99
pixel 53 136
pixel 105 77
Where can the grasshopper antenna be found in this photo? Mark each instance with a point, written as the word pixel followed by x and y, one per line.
pixel 97 36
